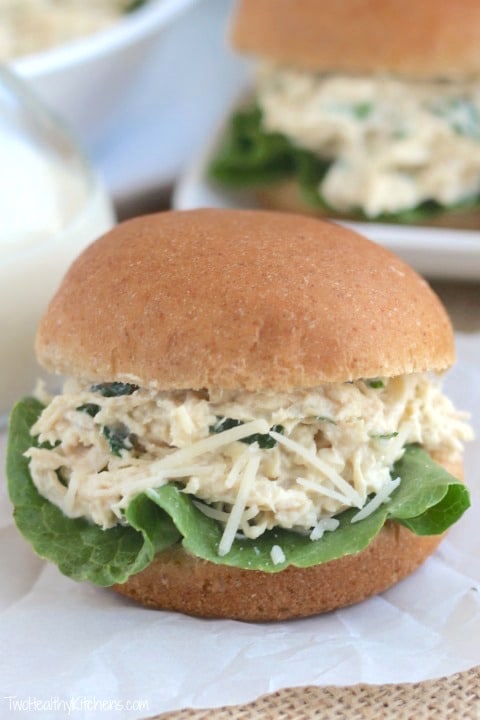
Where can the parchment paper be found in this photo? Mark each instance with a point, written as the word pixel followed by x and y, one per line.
pixel 66 642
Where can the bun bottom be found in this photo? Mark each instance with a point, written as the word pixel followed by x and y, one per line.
pixel 178 581
pixel 285 197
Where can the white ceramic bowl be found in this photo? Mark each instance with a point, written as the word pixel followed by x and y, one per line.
pixel 86 79
pixel 143 96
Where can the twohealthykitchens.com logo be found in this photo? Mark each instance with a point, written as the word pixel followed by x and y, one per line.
pixel 66 707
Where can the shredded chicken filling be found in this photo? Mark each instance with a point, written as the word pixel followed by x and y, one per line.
pixel 253 461
pixel 392 143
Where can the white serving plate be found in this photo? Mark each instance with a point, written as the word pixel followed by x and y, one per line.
pixel 439 253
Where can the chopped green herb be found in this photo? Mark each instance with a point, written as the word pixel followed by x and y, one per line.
pixel 48 445
pixel 60 478
pixel 118 437
pixel 323 418
pixel 264 440
pixel 376 383
pixel 90 408
pixel 362 110
pixel 134 5
pixel 388 436
pixel 224 423
pixel 114 389
pixel 462 115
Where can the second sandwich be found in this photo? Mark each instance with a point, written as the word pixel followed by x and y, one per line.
pixel 366 110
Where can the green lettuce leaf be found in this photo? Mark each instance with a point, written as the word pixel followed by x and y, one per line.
pixel 251 157
pixel 201 537
pixel 427 501
pixel 81 550
pixel 428 485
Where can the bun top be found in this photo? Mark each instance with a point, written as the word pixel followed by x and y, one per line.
pixel 241 300
pixel 417 38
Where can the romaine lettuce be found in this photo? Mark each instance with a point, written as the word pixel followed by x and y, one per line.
pixel 251 157
pixel 427 501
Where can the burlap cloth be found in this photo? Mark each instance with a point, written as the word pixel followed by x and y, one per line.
pixel 457 696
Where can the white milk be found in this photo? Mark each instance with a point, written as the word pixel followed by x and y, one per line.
pixel 49 212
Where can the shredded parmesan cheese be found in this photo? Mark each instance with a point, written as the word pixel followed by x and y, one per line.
pixel 211 512
pixel 250 478
pixel 318 464
pixel 277 555
pixel 383 496
pixel 211 444
pixel 235 517
pixel 324 525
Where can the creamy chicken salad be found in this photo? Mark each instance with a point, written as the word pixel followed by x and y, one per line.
pixel 392 143
pixel 27 26
pixel 253 461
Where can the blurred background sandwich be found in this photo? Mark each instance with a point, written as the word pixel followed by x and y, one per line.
pixel 361 110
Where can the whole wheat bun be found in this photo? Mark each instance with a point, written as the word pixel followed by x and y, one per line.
pixel 256 300
pixel 426 39
pixel 178 581
pixel 183 583
pixel 241 300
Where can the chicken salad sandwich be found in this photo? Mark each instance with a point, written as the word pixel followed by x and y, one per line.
pixel 251 424
pixel 365 110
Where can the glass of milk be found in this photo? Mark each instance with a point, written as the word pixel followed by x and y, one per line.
pixel 51 206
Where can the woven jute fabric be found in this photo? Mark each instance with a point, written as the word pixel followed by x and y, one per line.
pixel 456 697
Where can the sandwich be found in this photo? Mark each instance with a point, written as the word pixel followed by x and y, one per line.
pixel 361 110
pixel 251 424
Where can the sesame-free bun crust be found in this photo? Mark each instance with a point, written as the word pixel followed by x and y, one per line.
pixel 241 300
pixel 181 582
pixel 426 39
